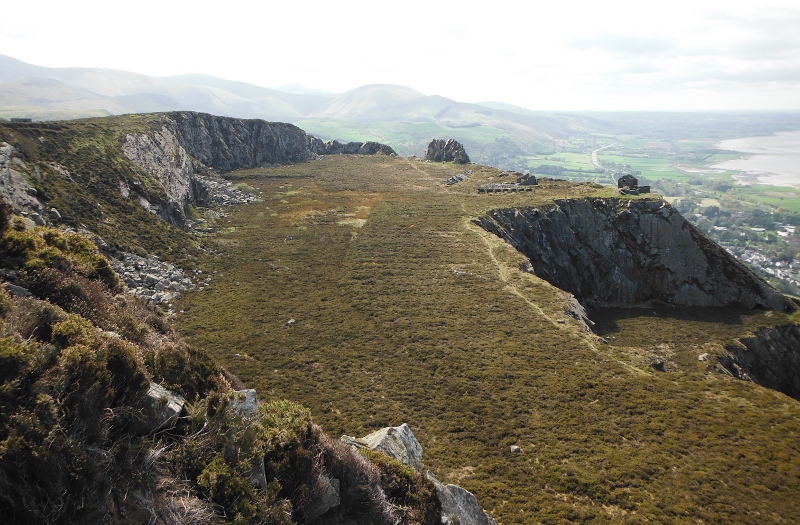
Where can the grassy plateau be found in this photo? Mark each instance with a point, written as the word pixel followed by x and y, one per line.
pixel 360 287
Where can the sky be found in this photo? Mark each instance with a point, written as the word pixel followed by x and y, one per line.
pixel 557 55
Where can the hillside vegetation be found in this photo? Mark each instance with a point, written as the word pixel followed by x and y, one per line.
pixel 404 310
pixel 358 292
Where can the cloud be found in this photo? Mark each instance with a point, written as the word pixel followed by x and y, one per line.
pixel 624 45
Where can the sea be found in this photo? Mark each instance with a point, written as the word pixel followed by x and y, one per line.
pixel 773 160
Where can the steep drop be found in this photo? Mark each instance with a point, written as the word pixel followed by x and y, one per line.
pixel 610 252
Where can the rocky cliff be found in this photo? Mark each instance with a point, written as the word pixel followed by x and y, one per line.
pixel 449 151
pixel 629 252
pixel 770 358
pixel 189 143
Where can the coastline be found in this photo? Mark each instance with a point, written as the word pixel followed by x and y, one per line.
pixel 768 160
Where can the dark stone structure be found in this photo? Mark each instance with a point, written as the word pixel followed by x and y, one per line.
pixel 629 185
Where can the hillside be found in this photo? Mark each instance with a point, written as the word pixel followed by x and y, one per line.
pixel 367 290
pixel 495 133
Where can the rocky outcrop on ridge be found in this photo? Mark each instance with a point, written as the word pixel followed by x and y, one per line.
pixel 334 147
pixel 459 506
pixel 15 189
pixel 610 252
pixel 450 151
pixel 190 144
pixel 770 358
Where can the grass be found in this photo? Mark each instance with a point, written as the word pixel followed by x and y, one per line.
pixel 777 196
pixel 419 316
pixel 568 160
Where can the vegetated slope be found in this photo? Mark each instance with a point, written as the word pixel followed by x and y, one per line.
pixel 89 434
pixel 113 175
pixel 402 309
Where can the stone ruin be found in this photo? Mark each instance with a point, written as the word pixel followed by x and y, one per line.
pixel 627 184
pixel 455 179
pixel 450 151
pixel 524 183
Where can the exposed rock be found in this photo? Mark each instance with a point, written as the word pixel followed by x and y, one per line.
pixel 450 151
pixel 515 449
pixel 770 358
pixel 17 291
pixel 397 442
pixel 245 403
pixel 334 147
pixel 703 357
pixel 629 252
pixel 325 496
pixel 145 277
pixel 576 310
pixel 658 364
pixel 14 188
pixel 459 506
pixel 163 408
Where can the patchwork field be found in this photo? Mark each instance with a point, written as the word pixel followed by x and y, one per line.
pixel 361 288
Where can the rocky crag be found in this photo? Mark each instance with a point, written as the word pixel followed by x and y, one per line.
pixel 771 358
pixel 459 506
pixel 616 252
pixel 190 144
pixel 446 151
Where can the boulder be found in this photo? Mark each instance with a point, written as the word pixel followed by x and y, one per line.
pixel 17 291
pixel 449 151
pixel 459 506
pixel 245 403
pixel 396 442
pixel 325 496
pixel 162 408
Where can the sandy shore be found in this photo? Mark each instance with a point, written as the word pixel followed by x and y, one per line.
pixel 773 160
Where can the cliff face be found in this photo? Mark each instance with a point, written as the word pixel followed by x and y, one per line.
pixel 770 358
pixel 629 252
pixel 226 144
pixel 188 143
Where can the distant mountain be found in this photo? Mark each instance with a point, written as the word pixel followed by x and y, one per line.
pixel 493 133
pixel 407 119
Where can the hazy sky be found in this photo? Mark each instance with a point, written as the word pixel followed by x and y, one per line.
pixel 560 54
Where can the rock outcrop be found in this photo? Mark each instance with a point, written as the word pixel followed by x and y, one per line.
pixel 189 144
pixel 611 252
pixel 334 147
pixel 162 408
pixel 15 189
pixel 450 151
pixel 459 506
pixel 397 442
pixel 770 358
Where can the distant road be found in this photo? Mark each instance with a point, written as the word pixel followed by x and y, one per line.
pixel 596 163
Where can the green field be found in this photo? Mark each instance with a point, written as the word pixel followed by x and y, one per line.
pixel 568 160
pixel 653 167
